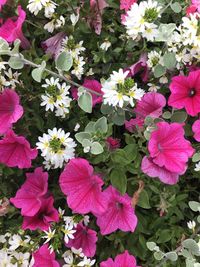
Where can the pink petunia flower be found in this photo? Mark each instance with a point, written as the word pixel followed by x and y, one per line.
pixel 153 170
pixel 15 151
pixel 126 4
pixel 122 260
pixel 42 219
pixel 140 67
pixel 82 187
pixel 43 257
pixel 93 85
pixel 196 130
pixel 10 109
pixel 113 143
pixel 168 148
pixel 197 4
pixel 119 214
pixel 151 105
pixel 29 196
pixel 84 238
pixel 185 92
pixel 2 3
pixel 12 29
pixel 4 206
pixel 52 46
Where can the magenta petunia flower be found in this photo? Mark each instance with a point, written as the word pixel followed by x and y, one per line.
pixel 196 130
pixel 112 143
pixel 12 29
pixel 42 219
pixel 43 257
pixel 10 109
pixel 153 170
pixel 15 151
pixel 82 187
pixel 122 260
pixel 119 213
pixel 126 4
pixel 151 105
pixel 52 46
pixel 168 148
pixel 2 3
pixel 29 196
pixel 185 92
pixel 93 85
pixel 84 238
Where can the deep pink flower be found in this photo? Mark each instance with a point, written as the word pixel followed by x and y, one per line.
pixel 15 151
pixel 185 92
pixel 191 10
pixel 119 214
pixel 140 67
pixel 42 219
pixel 82 187
pixel 168 148
pixel 44 258
pixel 84 238
pixel 10 109
pixel 28 197
pixel 126 4
pixel 113 143
pixel 122 260
pixel 196 130
pixel 12 29
pixel 2 3
pixel 52 46
pixel 153 170
pixel 93 85
pixel 132 124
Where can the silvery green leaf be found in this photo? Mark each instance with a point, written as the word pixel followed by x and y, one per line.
pixel 165 32
pixel 196 157
pixel 81 136
pixel 16 63
pixel 159 71
pixel 169 60
pixel 4 47
pixel 172 256
pixel 194 205
pixel 90 127
pixel 176 7
pixel 192 246
pixel 85 102
pixel 38 72
pixel 96 148
pixel 101 125
pixel 64 61
pixel 15 50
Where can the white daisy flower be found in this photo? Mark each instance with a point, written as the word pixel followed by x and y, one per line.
pixel 35 6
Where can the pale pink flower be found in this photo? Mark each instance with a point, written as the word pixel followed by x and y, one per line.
pixel 140 67
pixel 52 46
pixel 82 187
pixel 126 4
pixel 10 109
pixel 84 238
pixel 4 206
pixel 196 130
pixel 168 148
pixel 94 85
pixel 43 257
pixel 197 4
pixel 43 218
pixel 29 197
pixel 119 213
pixel 15 151
pixel 122 260
pixel 12 29
pixel 185 92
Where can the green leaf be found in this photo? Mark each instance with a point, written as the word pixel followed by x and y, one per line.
pixel 158 255
pixel 81 136
pixel 169 60
pixel 194 205
pixel 151 246
pixel 131 152
pixel 119 156
pixel 118 117
pixel 192 246
pixel 176 7
pixel 165 32
pixel 144 200
pixel 4 47
pixel 198 219
pixel 179 116
pixel 85 102
pixel 86 143
pixel 64 61
pixel 164 236
pixel 90 127
pixel 172 256
pixel 118 180
pixel 16 63
pixel 96 148
pixel 106 109
pixel 15 50
pixel 38 72
pixel 196 157
pixel 159 71
pixel 101 125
